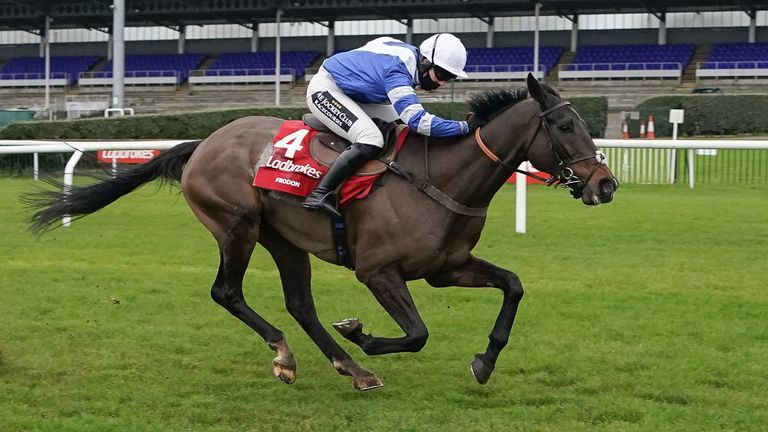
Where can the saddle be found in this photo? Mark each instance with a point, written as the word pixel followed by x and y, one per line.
pixel 326 146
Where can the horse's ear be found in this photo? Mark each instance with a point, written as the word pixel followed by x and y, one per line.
pixel 534 89
pixel 469 116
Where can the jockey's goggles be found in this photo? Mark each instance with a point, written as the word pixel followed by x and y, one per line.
pixel 442 74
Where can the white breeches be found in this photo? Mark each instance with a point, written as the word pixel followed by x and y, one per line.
pixel 344 116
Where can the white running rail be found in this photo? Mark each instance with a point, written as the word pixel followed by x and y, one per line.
pixel 78 147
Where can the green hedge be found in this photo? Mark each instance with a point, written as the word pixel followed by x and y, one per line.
pixel 193 125
pixel 708 114
pixel 152 126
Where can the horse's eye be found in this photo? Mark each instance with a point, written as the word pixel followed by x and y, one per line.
pixel 566 127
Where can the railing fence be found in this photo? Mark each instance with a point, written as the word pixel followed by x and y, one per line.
pixel 632 161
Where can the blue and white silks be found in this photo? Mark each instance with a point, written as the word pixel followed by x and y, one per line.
pixel 385 71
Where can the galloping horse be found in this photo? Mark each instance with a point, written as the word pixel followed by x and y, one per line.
pixel 397 234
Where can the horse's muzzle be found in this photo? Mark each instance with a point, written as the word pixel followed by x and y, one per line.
pixel 602 193
pixel 606 189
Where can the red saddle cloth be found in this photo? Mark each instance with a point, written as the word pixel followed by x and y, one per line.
pixel 292 169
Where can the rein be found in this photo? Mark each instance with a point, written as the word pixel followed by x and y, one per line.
pixel 565 177
pixel 425 185
pixel 488 152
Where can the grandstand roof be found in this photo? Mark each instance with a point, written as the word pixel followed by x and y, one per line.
pixel 29 14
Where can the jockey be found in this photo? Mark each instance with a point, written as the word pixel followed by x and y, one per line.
pixel 378 80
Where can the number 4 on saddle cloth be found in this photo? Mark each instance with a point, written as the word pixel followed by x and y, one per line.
pixel 301 154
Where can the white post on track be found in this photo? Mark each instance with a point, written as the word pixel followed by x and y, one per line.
pixel 520 199
pixel 69 171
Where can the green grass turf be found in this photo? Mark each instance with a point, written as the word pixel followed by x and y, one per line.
pixel 648 314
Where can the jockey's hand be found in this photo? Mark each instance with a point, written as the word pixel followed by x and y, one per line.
pixel 464 127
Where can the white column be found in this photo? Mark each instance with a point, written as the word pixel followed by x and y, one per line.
pixel 330 43
pixel 575 33
pixel 277 57
pixel 663 29
pixel 255 38
pixel 118 54
pixel 182 39
pixel 43 39
pixel 752 27
pixel 110 45
pixel 47 41
pixel 489 35
pixel 537 10
pixel 409 31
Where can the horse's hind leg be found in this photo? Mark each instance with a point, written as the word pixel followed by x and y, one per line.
pixel 295 275
pixel 478 273
pixel 235 249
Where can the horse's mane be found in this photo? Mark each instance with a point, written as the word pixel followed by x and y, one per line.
pixel 488 104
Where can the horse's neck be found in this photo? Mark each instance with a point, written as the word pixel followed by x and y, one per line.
pixel 461 169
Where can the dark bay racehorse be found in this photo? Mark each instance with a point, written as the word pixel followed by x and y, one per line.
pixel 396 234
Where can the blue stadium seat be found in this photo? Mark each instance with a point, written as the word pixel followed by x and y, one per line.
pixel 516 58
pixel 263 63
pixel 635 57
pixel 61 67
pixel 737 55
pixel 160 65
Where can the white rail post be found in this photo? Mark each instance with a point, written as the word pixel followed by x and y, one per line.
pixel 520 199
pixel 69 170
pixel 35 166
pixel 690 168
pixel 676 116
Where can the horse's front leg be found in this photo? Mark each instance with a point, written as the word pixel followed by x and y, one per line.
pixel 389 288
pixel 478 273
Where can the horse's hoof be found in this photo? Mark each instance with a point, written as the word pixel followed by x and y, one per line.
pixel 349 326
pixel 367 381
pixel 286 373
pixel 481 370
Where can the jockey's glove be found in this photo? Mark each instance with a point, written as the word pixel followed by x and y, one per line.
pixel 464 127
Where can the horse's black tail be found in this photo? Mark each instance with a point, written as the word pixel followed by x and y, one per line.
pixel 78 202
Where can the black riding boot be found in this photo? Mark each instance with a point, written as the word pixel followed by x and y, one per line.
pixel 325 195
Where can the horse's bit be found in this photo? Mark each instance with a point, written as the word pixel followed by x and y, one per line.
pixel 566 176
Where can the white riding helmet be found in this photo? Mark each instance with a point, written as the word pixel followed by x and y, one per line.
pixel 447 51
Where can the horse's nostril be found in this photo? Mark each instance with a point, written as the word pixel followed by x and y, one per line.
pixel 607 187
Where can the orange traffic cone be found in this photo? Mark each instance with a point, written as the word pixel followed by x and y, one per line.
pixel 642 128
pixel 651 130
pixel 624 130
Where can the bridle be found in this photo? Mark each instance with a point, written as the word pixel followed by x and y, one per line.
pixel 565 176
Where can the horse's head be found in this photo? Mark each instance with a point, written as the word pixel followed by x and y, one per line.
pixel 563 147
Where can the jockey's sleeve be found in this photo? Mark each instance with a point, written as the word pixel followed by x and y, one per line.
pixel 406 103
